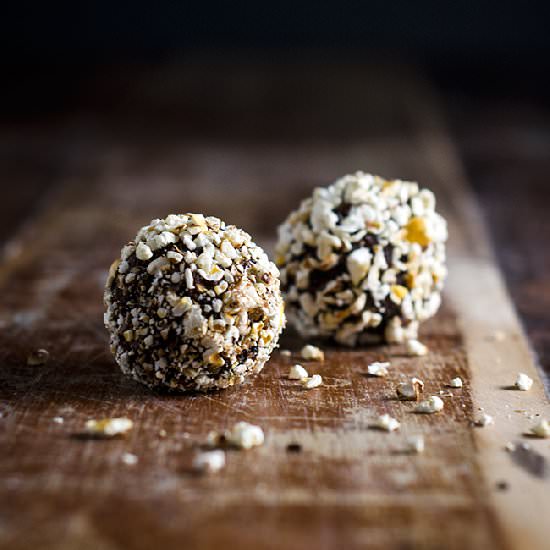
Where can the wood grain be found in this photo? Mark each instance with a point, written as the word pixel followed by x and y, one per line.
pixel 349 486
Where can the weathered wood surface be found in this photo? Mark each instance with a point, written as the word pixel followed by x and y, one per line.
pixel 349 486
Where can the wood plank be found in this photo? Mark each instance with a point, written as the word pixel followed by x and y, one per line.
pixel 349 486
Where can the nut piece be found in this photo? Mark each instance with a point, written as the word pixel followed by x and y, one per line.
pixel 484 420
pixel 378 369
pixel 410 391
pixel 38 357
pixel 129 459
pixel 417 348
pixel 415 444
pixel 209 461
pixel 456 382
pixel 386 422
pixel 108 427
pixel 523 382
pixel 245 435
pixel 313 382
pixel 431 405
pixel 297 372
pixel 313 353
pixel 542 429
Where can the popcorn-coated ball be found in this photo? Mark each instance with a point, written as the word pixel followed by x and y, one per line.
pixel 192 304
pixel 363 259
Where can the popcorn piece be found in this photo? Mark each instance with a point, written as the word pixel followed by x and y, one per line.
pixel 58 419
pixel 312 353
pixel 523 382
pixel 431 405
pixel 297 372
pixel 143 252
pixel 386 422
pixel 542 429
pixel 38 357
pixel 109 427
pixel 456 382
pixel 484 420
pixel 414 347
pixel 129 459
pixel 415 444
pixel 378 369
pixel 315 381
pixel 245 435
pixel 209 461
pixel 410 391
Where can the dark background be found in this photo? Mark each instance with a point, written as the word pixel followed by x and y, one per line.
pixel 69 68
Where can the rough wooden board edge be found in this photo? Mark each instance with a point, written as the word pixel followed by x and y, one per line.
pixel 477 291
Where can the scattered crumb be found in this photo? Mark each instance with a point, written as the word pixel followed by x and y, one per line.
pixel 129 459
pixel 209 461
pixel 109 427
pixel 410 391
pixel 38 357
pixel 386 422
pixel 542 429
pixel 297 372
pixel 313 353
pixel 415 444
pixel 523 382
pixel 510 447
pixel 285 353
pixel 378 369
pixel 498 336
pixel 315 381
pixel 244 435
pixel 162 433
pixel 456 382
pixel 417 348
pixel 58 419
pixel 502 486
pixel 431 405
pixel 484 420
pixel 294 448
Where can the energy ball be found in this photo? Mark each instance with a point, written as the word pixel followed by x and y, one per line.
pixel 363 260
pixel 192 304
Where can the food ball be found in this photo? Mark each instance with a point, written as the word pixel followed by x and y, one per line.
pixel 192 304
pixel 363 259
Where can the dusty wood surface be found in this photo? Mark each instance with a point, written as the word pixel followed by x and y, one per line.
pixel 348 486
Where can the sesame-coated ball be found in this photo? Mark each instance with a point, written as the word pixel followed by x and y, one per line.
pixel 363 258
pixel 192 304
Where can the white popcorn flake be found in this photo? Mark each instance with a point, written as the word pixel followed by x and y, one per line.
pixel 415 444
pixel 431 405
pixel 456 382
pixel 129 459
pixel 297 372
pixel 313 382
pixel 542 429
pixel 245 435
pixel 312 353
pixel 358 264
pixel 485 420
pixel 378 369
pixel 209 461
pixel 58 419
pixel 108 427
pixel 417 348
pixel 523 382
pixel 143 252
pixel 386 422
pixel 410 391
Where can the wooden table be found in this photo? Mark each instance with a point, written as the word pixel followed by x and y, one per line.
pixel 246 143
